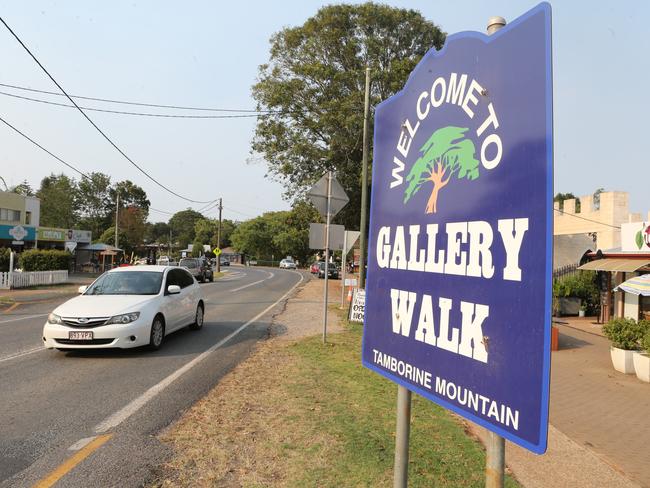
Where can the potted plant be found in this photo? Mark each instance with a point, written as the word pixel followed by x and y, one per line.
pixel 642 358
pixel 625 335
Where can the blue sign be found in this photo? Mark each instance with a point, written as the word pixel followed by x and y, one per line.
pixel 17 232
pixel 458 295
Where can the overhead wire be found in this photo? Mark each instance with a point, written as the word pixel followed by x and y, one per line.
pixel 140 104
pixel 93 123
pixel 585 218
pixel 140 114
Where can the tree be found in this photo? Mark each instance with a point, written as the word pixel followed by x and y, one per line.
pixel 108 237
pixel 157 233
pixel 445 154
pixel 132 224
pixel 182 224
pixel 314 84
pixel 131 195
pixel 58 201
pixel 227 228
pixel 94 200
pixel 206 230
pixel 24 189
pixel 560 197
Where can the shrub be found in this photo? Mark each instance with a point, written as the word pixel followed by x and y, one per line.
pixel 645 340
pixel 625 333
pixel 44 260
pixel 582 285
pixel 4 259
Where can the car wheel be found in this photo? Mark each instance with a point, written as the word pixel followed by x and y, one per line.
pixel 157 333
pixel 198 318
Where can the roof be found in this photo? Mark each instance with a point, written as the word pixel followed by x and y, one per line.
pixel 98 246
pixel 616 264
pixel 142 267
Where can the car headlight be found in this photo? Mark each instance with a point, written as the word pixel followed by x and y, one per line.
pixel 125 318
pixel 54 319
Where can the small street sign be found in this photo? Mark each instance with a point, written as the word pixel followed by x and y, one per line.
pixel 460 248
pixel 216 251
pixel 350 240
pixel 357 306
pixel 317 236
pixel 318 196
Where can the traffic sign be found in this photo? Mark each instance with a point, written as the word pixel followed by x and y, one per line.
pixel 318 196
pixel 317 233
pixel 458 295
pixel 216 251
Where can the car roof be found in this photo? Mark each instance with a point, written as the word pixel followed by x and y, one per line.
pixel 142 267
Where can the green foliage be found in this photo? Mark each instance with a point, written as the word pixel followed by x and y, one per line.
pixel 59 203
pixel 95 205
pixel 4 259
pixel 449 147
pixel 638 238
pixel 582 285
pixel 108 237
pixel 197 248
pixel 314 84
pixel 157 233
pixel 44 260
pixel 560 197
pixel 182 224
pixel 24 189
pixel 645 340
pixel 625 333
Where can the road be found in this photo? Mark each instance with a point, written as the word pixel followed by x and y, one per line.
pixel 56 407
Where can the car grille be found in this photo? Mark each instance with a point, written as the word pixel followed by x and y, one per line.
pixel 84 342
pixel 85 322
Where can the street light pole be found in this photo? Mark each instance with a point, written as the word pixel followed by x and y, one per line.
pixel 219 236
pixel 117 218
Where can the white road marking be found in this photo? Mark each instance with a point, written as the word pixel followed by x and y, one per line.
pixel 22 353
pixel 23 318
pixel 271 275
pixel 81 443
pixel 124 413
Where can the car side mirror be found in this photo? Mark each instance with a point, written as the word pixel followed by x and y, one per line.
pixel 82 289
pixel 173 289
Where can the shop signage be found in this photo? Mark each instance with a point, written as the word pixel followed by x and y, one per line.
pixel 458 295
pixel 635 236
pixel 61 235
pixel 17 233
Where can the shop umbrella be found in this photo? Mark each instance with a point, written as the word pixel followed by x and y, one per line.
pixel 639 285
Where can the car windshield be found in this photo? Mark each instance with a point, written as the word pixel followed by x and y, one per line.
pixel 127 283
pixel 188 263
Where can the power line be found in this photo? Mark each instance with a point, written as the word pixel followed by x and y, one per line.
pixel 95 125
pixel 585 218
pixel 140 114
pixel 140 104
pixel 83 175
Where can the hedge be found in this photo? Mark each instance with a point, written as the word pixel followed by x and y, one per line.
pixel 44 260
pixel 4 259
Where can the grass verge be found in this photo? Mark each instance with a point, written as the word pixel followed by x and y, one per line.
pixel 305 414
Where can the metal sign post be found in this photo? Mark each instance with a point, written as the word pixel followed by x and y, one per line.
pixel 459 284
pixel 344 254
pixel 327 252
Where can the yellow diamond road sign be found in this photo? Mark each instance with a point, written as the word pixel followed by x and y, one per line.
pixel 216 251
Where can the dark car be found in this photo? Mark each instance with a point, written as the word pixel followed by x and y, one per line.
pixel 200 268
pixel 332 271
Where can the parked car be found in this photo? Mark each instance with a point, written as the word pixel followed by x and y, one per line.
pixel 315 267
pixel 200 268
pixel 287 264
pixel 127 307
pixel 332 271
pixel 224 262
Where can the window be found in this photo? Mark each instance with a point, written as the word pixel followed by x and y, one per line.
pixel 186 278
pixel 173 278
pixel 28 218
pixel 9 215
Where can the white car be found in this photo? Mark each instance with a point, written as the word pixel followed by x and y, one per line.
pixel 287 264
pixel 127 307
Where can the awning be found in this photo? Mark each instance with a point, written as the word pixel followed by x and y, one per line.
pixel 639 285
pixel 615 264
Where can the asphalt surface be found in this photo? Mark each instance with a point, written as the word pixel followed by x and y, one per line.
pixel 52 400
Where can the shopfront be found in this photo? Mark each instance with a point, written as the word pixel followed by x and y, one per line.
pixel 68 239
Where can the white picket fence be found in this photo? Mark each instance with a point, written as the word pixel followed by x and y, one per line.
pixel 32 278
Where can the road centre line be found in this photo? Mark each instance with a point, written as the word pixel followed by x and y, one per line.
pixel 271 275
pixel 22 353
pixel 69 464
pixel 131 408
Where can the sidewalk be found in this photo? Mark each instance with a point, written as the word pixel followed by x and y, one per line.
pixel 45 293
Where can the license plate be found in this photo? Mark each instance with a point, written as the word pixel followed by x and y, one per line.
pixel 85 335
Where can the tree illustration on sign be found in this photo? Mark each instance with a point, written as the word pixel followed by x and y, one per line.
pixel 447 153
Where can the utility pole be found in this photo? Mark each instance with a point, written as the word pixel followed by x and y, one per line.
pixel 327 252
pixel 219 236
pixel 117 217
pixel 364 186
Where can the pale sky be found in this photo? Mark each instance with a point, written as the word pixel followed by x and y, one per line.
pixel 207 54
